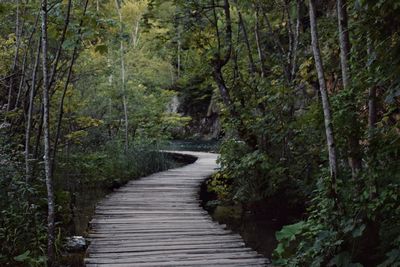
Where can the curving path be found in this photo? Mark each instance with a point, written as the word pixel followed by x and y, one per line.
pixel 157 221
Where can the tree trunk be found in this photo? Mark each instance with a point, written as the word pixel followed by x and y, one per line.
pixel 344 41
pixel 135 37
pixel 39 132
pixel 219 80
pixel 46 140
pixel 69 75
pixel 179 53
pixel 290 52
pixel 247 42
pixel 372 107
pixel 29 116
pixel 23 72
pixel 324 96
pixel 16 55
pixel 219 61
pixel 60 46
pixel 293 62
pixel 124 99
pixel 261 56
pixel 372 118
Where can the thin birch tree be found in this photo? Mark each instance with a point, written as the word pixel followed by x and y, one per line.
pixel 123 89
pixel 46 139
pixel 333 165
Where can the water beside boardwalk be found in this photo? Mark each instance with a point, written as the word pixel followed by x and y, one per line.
pixel 257 228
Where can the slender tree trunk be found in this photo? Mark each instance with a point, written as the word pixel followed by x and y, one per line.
pixel 221 60
pixel 124 99
pixel 228 33
pixel 46 140
pixel 60 46
pixel 69 75
pixel 324 96
pixel 16 55
pixel 23 74
pixel 226 98
pixel 372 118
pixel 135 38
pixel 293 39
pixel 179 53
pixel 39 133
pixel 289 27
pixel 344 41
pixel 293 62
pixel 372 107
pixel 261 56
pixel 29 115
pixel 247 42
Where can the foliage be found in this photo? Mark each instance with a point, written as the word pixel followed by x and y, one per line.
pixel 110 164
pixel 234 65
pixel 274 126
pixel 22 227
pixel 87 115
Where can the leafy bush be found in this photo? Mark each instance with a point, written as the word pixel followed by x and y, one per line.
pixel 22 216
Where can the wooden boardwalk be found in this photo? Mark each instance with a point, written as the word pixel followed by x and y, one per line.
pixel 157 221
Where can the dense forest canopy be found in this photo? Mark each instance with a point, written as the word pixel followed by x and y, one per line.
pixel 304 96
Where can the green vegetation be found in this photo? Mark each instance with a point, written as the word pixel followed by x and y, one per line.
pixel 108 94
pixel 304 95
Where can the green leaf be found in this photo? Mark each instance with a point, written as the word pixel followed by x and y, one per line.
pixel 279 249
pixel 290 231
pixel 23 257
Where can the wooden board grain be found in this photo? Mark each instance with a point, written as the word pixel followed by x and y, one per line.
pixel 158 221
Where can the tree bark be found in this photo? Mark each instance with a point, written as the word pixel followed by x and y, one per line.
pixel 29 116
pixel 372 118
pixel 23 72
pixel 372 107
pixel 135 37
pixel 324 95
pixel 179 53
pixel 69 75
pixel 293 62
pixel 124 99
pixel 219 61
pixel 59 50
pixel 344 41
pixel 290 38
pixel 261 56
pixel 16 55
pixel 247 42
pixel 46 140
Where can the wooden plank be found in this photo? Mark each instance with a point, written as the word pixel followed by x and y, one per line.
pixel 157 221
pixel 205 262
pixel 169 253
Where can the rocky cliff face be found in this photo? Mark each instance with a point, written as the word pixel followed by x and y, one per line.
pixel 205 123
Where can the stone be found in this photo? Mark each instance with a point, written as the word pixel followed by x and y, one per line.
pixel 76 244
